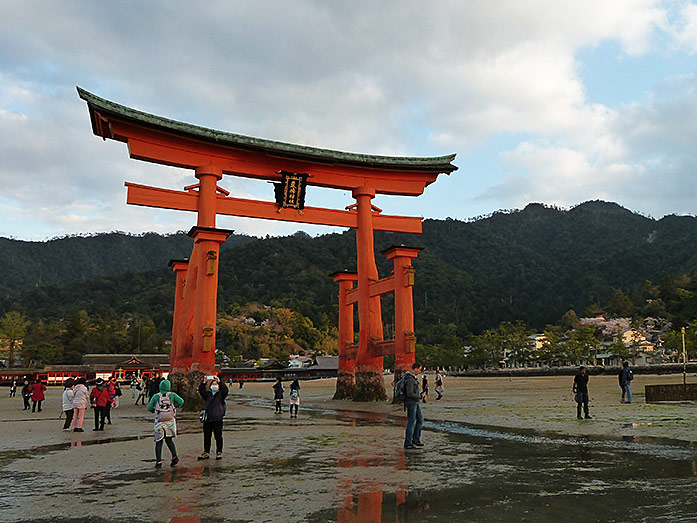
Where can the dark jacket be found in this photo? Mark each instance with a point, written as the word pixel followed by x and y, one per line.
pixel 581 383
pixel 215 403
pixel 278 391
pixel 411 389
pixel 624 376
pixel 154 387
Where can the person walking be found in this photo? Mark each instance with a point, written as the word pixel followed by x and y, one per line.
pixel 294 398
pixel 26 394
pixel 37 394
pixel 81 402
pixel 580 390
pixel 100 400
pixel 278 395
pixel 13 389
pixel 213 393
pixel 142 391
pixel 424 388
pixel 625 377
pixel 439 384
pixel 164 405
pixel 67 402
pixel 415 418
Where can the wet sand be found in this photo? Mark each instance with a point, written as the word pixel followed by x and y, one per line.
pixel 344 461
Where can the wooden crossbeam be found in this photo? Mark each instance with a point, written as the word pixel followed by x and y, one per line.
pixel 377 288
pixel 188 201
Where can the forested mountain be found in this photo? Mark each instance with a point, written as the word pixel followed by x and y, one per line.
pixel 532 265
pixel 61 261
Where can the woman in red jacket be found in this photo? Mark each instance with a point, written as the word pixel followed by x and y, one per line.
pixel 100 399
pixel 37 394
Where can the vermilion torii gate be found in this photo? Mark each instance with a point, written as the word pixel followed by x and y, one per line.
pixel 211 154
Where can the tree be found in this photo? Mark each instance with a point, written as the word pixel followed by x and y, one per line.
pixel 13 326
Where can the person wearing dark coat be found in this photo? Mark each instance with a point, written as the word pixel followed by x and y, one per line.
pixel 580 390
pixel 213 393
pixel 278 395
pixel 26 394
pixel 625 377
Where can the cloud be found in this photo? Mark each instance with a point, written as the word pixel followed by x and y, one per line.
pixel 402 78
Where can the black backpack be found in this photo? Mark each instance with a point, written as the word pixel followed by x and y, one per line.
pixel 400 390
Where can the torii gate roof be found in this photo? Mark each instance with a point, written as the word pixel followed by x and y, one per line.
pixel 162 140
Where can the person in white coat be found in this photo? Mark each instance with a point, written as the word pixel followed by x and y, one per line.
pixel 67 402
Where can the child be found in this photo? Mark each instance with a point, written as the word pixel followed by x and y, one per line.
pixel 163 404
pixel 294 398
pixel 67 402
pixel 278 395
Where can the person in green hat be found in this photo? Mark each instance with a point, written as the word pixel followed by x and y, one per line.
pixel 164 405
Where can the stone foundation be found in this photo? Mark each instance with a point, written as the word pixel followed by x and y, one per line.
pixel 676 392
pixel 186 386
pixel 345 386
pixel 369 387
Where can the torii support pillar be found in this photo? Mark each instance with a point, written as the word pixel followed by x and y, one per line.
pixel 346 379
pixel 179 361
pixel 369 382
pixel 404 338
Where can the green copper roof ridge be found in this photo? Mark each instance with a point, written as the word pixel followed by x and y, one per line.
pixel 441 163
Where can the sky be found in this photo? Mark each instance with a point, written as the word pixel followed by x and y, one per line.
pixel 547 102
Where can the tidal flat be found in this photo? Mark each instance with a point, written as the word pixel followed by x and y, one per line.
pixel 497 449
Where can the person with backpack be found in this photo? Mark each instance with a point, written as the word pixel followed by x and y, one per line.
pixel 439 384
pixel 408 389
pixel 294 398
pixel 625 377
pixel 164 405
pixel 213 393
pixel 278 395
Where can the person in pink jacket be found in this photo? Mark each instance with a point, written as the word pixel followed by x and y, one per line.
pixel 81 402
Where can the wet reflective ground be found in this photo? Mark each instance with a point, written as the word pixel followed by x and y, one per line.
pixel 343 465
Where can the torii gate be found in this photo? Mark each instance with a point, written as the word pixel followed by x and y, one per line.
pixel 211 154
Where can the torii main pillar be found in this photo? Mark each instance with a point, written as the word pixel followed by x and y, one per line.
pixel 369 382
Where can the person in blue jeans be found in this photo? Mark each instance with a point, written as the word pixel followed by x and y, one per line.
pixel 415 418
pixel 626 376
